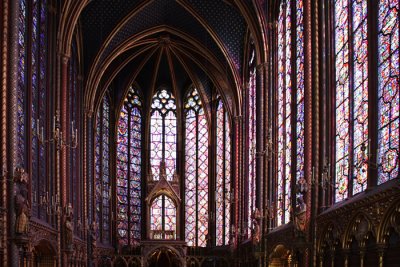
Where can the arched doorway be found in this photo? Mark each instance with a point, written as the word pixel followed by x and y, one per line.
pixel 280 257
pixel 43 255
pixel 164 257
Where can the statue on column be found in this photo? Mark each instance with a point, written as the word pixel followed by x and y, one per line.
pixel 69 227
pixel 22 206
pixel 256 232
pixel 301 206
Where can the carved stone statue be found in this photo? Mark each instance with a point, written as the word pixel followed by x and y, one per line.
pixel 300 213
pixel 22 206
pixel 69 227
pixel 163 169
pixel 302 186
pixel 256 232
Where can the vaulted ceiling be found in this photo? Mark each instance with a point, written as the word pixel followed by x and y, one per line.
pixel 163 42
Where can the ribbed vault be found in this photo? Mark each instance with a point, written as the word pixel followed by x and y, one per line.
pixel 170 42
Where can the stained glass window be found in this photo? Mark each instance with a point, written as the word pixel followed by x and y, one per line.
pixel 129 152
pixel 102 170
pixel 22 41
pixel 33 95
pixel 351 97
pixel 299 90
pixel 284 114
pixel 252 139
pixel 290 107
pixel 163 218
pixel 196 171
pixel 163 133
pixel 223 173
pixel 388 90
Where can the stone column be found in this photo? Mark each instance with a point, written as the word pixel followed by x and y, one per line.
pixel 3 132
pixel 362 257
pixel 308 119
pixel 89 190
pixel 333 258
pixel 12 96
pixel 260 152
pixel 63 151
pixel 237 177
pixel 346 253
pixel 315 130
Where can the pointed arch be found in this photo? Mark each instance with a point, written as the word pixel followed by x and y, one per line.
pixel 196 170
pixel 102 170
pixel 163 216
pixel 163 133
pixel 129 170
pixel 223 174
pixel 251 134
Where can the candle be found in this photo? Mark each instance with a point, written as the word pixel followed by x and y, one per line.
pixel 313 174
pixel 37 126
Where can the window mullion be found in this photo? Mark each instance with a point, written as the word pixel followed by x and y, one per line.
pixel 197 177
pixel 128 206
pixel 351 100
pixel 163 117
pixel 101 171
pixel 163 216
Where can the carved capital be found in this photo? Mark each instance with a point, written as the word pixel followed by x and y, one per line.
pixel 64 58
pixel 238 118
pixel 262 66
pixel 89 113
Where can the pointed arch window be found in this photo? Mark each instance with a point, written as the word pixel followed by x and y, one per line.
pixel 33 97
pixel 196 170
pixel 252 138
pixel 223 173
pixel 290 106
pixel 163 218
pixel 129 158
pixel 351 84
pixel 163 133
pixel 284 109
pixel 102 170
pixel 388 90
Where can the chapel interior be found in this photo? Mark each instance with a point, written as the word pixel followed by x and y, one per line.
pixel 200 133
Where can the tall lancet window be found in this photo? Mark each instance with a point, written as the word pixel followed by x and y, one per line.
pixel 289 106
pixel 284 130
pixel 102 170
pixel 388 90
pixel 22 81
pixel 196 170
pixel 223 173
pixel 252 126
pixel 32 97
pixel 163 133
pixel 299 97
pixel 129 158
pixel 351 84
